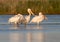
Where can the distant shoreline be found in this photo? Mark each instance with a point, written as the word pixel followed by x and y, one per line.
pixel 21 6
pixel 27 14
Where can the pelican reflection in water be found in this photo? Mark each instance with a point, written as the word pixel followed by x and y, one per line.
pixel 27 36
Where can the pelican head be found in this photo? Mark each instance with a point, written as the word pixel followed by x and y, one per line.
pixel 30 11
pixel 18 14
pixel 40 13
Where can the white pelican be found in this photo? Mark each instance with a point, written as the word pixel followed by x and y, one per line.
pixel 15 19
pixel 27 18
pixel 38 19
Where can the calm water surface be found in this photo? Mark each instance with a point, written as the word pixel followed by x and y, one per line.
pixel 47 31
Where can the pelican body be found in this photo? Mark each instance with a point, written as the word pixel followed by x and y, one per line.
pixel 38 19
pixel 15 19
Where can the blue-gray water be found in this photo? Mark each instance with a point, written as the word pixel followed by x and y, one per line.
pixel 47 31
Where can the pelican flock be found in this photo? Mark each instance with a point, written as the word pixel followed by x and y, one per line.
pixel 19 18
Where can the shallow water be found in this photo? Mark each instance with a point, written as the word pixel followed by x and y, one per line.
pixel 47 31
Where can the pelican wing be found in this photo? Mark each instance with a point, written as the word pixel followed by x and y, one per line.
pixel 34 19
